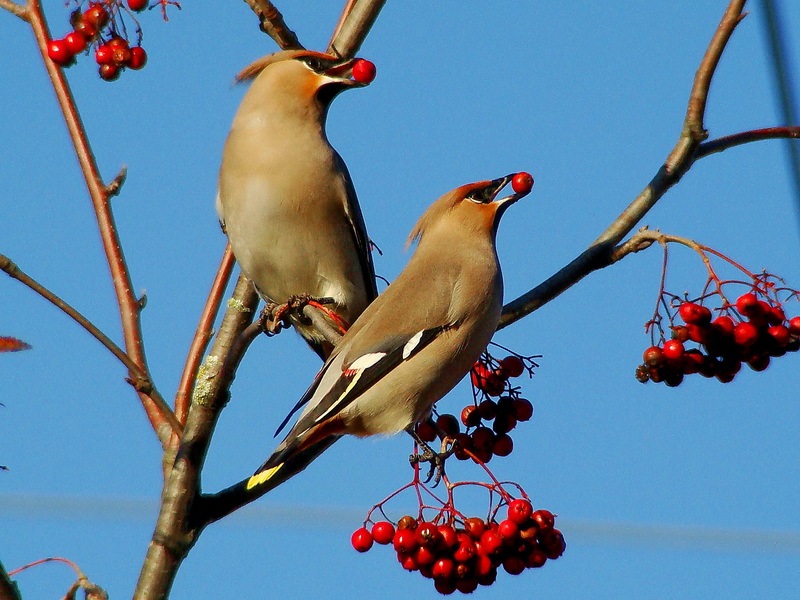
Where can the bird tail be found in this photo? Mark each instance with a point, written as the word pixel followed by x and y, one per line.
pixel 278 469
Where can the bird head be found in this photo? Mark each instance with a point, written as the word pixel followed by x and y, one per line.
pixel 473 207
pixel 307 73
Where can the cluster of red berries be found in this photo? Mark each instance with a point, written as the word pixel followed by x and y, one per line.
pixel 113 55
pixel 485 441
pixel 762 333
pixel 462 557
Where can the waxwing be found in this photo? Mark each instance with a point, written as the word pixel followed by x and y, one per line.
pixel 285 197
pixel 416 341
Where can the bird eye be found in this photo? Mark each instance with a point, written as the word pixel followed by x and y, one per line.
pixel 313 63
pixel 477 196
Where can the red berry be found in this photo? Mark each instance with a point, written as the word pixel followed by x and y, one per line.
pixel 653 356
pixel 483 566
pixel 76 43
pixel 692 313
pixel 363 71
pixel 426 430
pixel 520 510
pixel 776 316
pixel 512 366
pixel 488 408
pixel 494 384
pixel 427 535
pixel 535 559
pixel 449 536
pixel 137 5
pixel 104 55
pixel 523 409
pixel 514 565
pixel 491 542
pixel 746 304
pixel 522 183
pixel 445 587
pixel 692 361
pixel 407 522
pixel 138 58
pixel 780 333
pixel 759 363
pixel 361 539
pixel 483 438
pixel 673 350
pixel 503 423
pixel 85 29
pixel 698 333
pixel 544 519
pixel 444 568
pixel 475 527
pixel 508 530
pixel 408 561
pixel 95 15
pixel 745 334
pixel 449 424
pixel 383 532
pixel 59 52
pixel 404 540
pixel 724 325
pixel 503 445
pixel 553 543
pixel 470 416
pixel 680 333
pixel 467 585
pixel 466 548
pixel 794 326
pixel 424 556
pixel 109 72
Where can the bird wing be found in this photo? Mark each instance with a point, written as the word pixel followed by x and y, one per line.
pixel 358 229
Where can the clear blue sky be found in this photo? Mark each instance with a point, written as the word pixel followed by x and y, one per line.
pixel 689 492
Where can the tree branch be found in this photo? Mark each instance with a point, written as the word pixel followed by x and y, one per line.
pixel 272 23
pixel 174 536
pixel 15 9
pixel 8 589
pixel 679 161
pixel 357 20
pixel 745 137
pixel 204 333
pixel 139 379
pixel 128 303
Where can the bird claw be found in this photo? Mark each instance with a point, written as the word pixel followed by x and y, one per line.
pixel 436 459
pixel 275 316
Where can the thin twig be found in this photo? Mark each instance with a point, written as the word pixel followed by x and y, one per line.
pixel 139 379
pixel 15 9
pixel 680 159
pixel 128 303
pixel 272 23
pixel 203 334
pixel 745 137
pixel 354 27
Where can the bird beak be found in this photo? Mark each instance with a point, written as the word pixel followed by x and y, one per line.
pixel 506 201
pixel 343 72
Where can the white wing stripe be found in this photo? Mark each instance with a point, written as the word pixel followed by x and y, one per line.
pixel 411 344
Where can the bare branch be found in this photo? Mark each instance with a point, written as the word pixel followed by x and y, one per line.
pixel 140 380
pixel 273 25
pixel 203 334
pixel 679 161
pixel 745 137
pixel 15 9
pixel 120 275
pixel 174 534
pixel 357 19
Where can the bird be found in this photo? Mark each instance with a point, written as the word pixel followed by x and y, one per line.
pixel 415 342
pixel 285 198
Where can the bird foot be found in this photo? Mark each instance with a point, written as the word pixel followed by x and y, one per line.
pixel 275 316
pixel 436 459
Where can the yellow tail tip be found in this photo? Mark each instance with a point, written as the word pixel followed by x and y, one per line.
pixel 262 477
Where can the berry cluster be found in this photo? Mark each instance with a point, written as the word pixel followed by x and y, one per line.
pixel 751 331
pixel 489 378
pixel 99 26
pixel 463 554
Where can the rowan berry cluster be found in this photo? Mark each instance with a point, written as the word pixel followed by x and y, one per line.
pixel 490 378
pixel 101 26
pixel 751 331
pixel 462 553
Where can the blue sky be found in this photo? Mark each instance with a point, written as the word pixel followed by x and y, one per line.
pixel 689 492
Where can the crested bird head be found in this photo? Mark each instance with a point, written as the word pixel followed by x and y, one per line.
pixel 473 207
pixel 308 75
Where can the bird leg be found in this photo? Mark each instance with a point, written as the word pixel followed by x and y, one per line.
pixel 429 455
pixel 275 316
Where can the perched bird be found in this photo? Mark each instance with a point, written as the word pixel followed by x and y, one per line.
pixel 285 197
pixel 415 342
